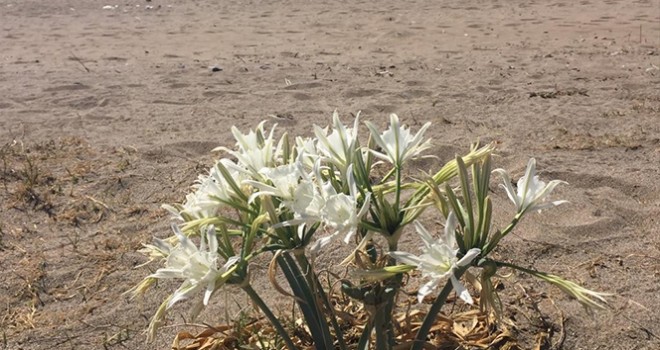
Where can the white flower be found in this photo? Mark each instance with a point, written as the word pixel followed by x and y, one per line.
pixel 256 150
pixel 306 149
pixel 341 212
pixel 284 179
pixel 398 143
pixel 339 146
pixel 160 249
pixel 439 260
pixel 307 202
pixel 306 198
pixel 198 267
pixel 296 190
pixel 210 193
pixel 532 193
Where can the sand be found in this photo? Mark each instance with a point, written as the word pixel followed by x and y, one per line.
pixel 105 114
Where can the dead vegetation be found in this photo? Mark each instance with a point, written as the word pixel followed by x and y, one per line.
pixel 57 235
pixel 464 327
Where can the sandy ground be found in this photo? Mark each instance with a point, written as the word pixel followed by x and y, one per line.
pixel 107 113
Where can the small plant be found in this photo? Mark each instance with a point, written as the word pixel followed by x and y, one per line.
pixel 25 180
pixel 290 198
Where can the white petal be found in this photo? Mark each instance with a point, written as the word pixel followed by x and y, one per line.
pixel 508 187
pixel 377 137
pixel 212 239
pixel 460 289
pixel 426 289
pixel 526 183
pixel 469 256
pixel 166 273
pixel 365 206
pixel 406 258
pixel 450 228
pixel 349 234
pixel 424 233
pixel 182 293
pixel 210 288
pixel 380 155
pixel 320 243
pixel 230 262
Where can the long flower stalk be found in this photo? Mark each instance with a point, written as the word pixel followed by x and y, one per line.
pixel 588 298
pixel 281 331
pixel 429 320
pixel 315 285
pixel 314 316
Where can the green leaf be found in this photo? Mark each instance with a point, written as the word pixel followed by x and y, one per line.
pixel 469 228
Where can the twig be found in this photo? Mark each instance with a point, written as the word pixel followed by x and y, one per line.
pixel 97 202
pixel 75 58
pixel 562 333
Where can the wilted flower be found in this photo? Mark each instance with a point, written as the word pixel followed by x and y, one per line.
pixel 159 250
pixel 398 144
pixel 532 193
pixel 439 260
pixel 588 298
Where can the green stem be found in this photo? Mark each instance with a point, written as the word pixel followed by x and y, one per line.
pixel 316 287
pixel 423 332
pixel 383 334
pixel 269 314
pixel 383 315
pixel 519 268
pixel 314 316
pixel 394 284
pixel 496 239
pixel 387 176
pixel 363 342
pixel 398 190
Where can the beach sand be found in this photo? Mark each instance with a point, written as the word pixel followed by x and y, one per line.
pixel 105 114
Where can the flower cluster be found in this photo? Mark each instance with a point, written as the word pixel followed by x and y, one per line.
pixel 291 197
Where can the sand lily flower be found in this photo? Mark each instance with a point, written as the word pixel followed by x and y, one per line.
pixel 256 150
pixel 198 267
pixel 306 148
pixel 532 194
pixel 284 178
pixel 211 193
pixel 307 202
pixel 338 147
pixel 439 260
pixel 397 143
pixel 341 211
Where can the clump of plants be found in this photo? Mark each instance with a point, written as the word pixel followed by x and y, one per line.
pixel 289 198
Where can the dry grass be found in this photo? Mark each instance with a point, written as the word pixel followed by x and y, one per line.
pixel 467 329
